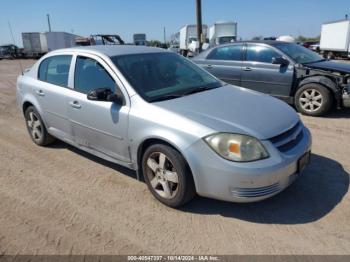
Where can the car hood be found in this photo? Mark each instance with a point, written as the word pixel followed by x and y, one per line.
pixel 331 66
pixel 236 110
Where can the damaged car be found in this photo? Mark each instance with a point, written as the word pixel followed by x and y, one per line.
pixel 284 70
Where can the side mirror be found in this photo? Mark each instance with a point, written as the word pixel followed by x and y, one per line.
pixel 106 94
pixel 280 61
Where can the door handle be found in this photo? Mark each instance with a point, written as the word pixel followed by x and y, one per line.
pixel 247 69
pixel 75 104
pixel 40 92
pixel 209 66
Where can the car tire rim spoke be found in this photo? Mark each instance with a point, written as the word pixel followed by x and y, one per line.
pixel 30 121
pixel 171 176
pixel 311 100
pixel 162 175
pixel 152 164
pixel 167 192
pixel 154 182
pixel 162 159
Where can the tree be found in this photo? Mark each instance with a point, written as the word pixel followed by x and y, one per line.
pixel 302 38
pixel 257 38
pixel 154 43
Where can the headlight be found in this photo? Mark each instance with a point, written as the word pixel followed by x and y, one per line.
pixel 235 147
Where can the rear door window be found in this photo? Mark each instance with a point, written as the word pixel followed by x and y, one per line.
pixel 55 70
pixel 231 52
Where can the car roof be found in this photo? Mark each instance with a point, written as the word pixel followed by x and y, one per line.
pixel 114 50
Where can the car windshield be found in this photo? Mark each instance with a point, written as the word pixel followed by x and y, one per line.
pixel 161 76
pixel 226 39
pixel 192 39
pixel 299 54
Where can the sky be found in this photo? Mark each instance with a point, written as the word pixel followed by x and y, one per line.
pixel 126 17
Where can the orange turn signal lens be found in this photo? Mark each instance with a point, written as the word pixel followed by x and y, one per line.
pixel 234 148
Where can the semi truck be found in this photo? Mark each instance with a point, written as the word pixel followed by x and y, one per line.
pixel 36 44
pixel 139 39
pixel 335 39
pixel 188 38
pixel 222 33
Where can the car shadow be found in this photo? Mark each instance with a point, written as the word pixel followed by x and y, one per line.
pixel 341 113
pixel 121 169
pixel 319 189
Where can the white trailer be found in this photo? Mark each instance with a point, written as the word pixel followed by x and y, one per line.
pixel 222 33
pixel 335 39
pixel 57 40
pixel 36 44
pixel 188 35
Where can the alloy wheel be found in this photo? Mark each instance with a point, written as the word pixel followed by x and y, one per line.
pixel 162 175
pixel 311 100
pixel 35 126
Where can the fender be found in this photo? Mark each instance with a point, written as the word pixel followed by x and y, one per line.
pixel 323 80
pixel 167 138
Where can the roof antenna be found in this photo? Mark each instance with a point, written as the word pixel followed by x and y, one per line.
pixel 14 42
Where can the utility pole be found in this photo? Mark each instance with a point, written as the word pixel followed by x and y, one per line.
pixel 199 24
pixel 164 36
pixel 48 22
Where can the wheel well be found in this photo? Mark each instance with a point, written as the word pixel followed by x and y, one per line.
pixel 332 91
pixel 26 105
pixel 147 143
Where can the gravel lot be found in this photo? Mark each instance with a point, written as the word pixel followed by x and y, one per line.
pixel 60 200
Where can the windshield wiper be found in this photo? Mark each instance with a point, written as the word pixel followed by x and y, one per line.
pixel 190 92
pixel 197 90
pixel 321 60
pixel 166 97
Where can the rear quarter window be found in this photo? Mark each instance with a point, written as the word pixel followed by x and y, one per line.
pixel 55 70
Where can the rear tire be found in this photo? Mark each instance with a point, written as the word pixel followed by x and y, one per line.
pixel 313 99
pixel 167 175
pixel 36 127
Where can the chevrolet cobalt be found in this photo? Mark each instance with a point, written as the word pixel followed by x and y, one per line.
pixel 183 130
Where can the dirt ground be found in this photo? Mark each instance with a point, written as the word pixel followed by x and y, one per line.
pixel 60 200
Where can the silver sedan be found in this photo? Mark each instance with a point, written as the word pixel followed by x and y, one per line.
pixel 151 110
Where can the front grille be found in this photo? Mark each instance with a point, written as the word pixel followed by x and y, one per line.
pixel 255 192
pixel 289 139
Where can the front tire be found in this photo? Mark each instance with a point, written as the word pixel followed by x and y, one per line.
pixel 167 175
pixel 36 127
pixel 313 99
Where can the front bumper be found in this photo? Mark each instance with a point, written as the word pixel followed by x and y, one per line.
pixel 221 179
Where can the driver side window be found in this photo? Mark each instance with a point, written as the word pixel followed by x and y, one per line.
pixel 90 75
pixel 260 53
